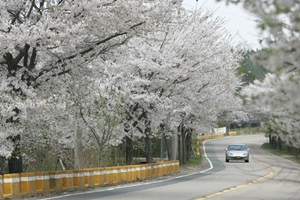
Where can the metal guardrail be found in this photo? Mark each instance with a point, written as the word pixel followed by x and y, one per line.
pixel 28 184
pixel 211 136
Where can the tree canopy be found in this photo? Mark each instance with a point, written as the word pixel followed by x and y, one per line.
pixel 277 96
pixel 98 71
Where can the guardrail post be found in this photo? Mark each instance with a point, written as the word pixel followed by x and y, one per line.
pixel 78 179
pixel 143 171
pixel 11 185
pixel 41 182
pixel 1 187
pixel 27 184
pixel 116 175
pixel 133 173
pixel 67 180
pixel 96 177
pixel 105 174
pixel 86 173
pixel 55 181
pixel 123 172
pixel 91 178
pixel 101 176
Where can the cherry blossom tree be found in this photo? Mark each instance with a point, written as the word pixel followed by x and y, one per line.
pixel 95 72
pixel 44 42
pixel 182 75
pixel 203 84
pixel 278 94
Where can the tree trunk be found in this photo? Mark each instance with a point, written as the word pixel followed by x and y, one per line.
pixel 183 138
pixel 15 164
pixel 148 149
pixel 279 143
pixel 129 150
pixel 78 148
pixel 174 148
pixel 166 150
pixel 180 152
pixel 2 160
pixel 274 141
pixel 188 145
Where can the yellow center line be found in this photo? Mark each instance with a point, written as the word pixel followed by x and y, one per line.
pixel 270 174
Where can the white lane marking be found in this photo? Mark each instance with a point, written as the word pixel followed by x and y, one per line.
pixel 254 181
pixel 251 182
pixel 205 155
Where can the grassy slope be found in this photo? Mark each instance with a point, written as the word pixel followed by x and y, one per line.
pixel 284 153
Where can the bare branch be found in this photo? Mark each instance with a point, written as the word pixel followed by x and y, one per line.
pixel 31 8
pixel 203 86
pixel 94 132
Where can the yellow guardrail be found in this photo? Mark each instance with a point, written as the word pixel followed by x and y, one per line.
pixel 27 184
pixel 212 136
pixel 232 133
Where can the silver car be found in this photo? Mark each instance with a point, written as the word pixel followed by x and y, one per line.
pixel 237 152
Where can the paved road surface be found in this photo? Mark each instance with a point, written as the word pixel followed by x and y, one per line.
pixel 264 177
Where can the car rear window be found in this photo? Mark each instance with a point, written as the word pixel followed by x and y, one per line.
pixel 237 147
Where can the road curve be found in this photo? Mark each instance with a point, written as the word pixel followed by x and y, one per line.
pixel 264 177
pixel 280 181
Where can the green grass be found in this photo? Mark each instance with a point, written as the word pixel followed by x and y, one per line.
pixel 284 153
pixel 247 130
pixel 193 161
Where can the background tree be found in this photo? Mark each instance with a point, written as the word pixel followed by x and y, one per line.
pixel 278 94
pixel 171 71
pixel 249 70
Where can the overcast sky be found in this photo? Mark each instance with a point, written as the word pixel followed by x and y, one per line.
pixel 240 23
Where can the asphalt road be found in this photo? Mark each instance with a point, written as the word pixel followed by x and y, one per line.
pixel 264 177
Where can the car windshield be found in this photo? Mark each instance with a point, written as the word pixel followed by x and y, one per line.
pixel 236 148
